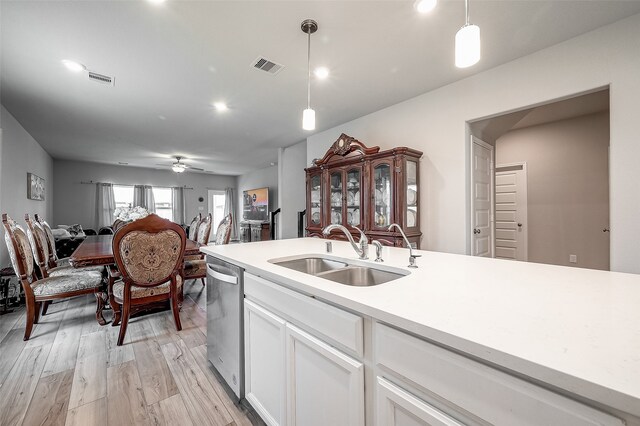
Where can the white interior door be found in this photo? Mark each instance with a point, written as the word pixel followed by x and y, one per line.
pixel 511 212
pixel 481 198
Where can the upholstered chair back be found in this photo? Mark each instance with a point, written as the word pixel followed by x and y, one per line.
pixel 38 240
pixel 19 248
pixel 149 251
pixel 193 227
pixel 223 233
pixel 51 242
pixel 204 230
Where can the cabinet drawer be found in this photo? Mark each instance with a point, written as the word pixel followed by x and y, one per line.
pixel 341 328
pixel 490 394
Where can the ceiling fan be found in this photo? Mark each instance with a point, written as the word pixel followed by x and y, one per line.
pixel 178 166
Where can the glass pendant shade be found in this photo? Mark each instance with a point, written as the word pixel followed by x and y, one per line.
pixel 309 119
pixel 467 46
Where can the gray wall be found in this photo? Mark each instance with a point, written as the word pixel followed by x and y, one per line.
pixel 75 203
pixel 291 184
pixel 19 154
pixel 267 177
pixel 436 123
pixel 567 188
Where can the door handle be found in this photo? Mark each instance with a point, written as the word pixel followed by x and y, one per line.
pixel 606 230
pixel 231 279
pixel 476 231
pixel 519 225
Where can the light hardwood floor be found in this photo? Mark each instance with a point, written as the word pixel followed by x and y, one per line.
pixel 72 373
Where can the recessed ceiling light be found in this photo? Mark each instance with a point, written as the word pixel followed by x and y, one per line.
pixel 156 1
pixel 220 106
pixel 73 65
pixel 162 117
pixel 425 6
pixel 321 72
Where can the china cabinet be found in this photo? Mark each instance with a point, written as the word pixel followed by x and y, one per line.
pixel 363 187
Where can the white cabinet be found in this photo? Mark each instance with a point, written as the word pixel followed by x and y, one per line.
pixel 397 407
pixel 265 335
pixel 301 377
pixel 324 386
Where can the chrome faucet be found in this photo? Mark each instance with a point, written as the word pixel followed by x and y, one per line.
pixel 378 245
pixel 412 257
pixel 362 250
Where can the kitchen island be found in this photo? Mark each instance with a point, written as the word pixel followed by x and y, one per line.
pixel 528 336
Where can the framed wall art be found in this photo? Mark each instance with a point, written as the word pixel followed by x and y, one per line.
pixel 35 187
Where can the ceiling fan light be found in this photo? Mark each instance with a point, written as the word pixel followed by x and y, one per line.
pixel 178 168
pixel 73 65
pixel 308 119
pixel 467 46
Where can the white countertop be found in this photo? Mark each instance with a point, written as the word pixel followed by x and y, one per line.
pixel 576 329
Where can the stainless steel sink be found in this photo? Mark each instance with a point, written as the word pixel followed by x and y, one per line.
pixel 312 265
pixel 360 276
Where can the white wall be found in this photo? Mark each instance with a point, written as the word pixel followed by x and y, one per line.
pixel 21 154
pixel 76 203
pixel 567 188
pixel 267 177
pixel 291 187
pixel 435 123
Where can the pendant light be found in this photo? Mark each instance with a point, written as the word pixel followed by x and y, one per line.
pixel 467 42
pixel 309 26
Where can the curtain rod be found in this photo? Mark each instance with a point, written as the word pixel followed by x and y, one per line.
pixel 91 182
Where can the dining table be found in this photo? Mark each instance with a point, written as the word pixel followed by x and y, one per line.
pixel 96 250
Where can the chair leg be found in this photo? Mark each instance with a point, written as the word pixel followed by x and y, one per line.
pixel 176 311
pixel 31 315
pixel 45 306
pixel 36 317
pixel 203 282
pixel 126 309
pixel 100 298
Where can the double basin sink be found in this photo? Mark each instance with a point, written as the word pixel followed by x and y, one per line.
pixel 341 271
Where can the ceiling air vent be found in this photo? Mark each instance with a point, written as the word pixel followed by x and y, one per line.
pixel 102 79
pixel 266 65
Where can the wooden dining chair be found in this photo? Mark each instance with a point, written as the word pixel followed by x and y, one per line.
pixel 197 268
pixel 193 226
pixel 149 253
pixel 37 292
pixel 53 261
pixel 42 254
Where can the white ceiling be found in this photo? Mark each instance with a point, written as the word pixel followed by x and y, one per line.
pixel 175 59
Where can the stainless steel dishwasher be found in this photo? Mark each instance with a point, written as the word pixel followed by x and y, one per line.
pixel 225 322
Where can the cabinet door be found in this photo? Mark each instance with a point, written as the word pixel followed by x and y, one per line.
pixel 314 200
pixel 383 194
pixel 336 192
pixel 354 197
pixel 324 386
pixel 397 407
pixel 265 363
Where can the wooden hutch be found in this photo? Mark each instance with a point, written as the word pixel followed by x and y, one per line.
pixel 362 187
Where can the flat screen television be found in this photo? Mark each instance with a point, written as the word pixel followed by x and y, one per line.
pixel 255 204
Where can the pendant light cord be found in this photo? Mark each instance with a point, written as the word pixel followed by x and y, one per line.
pixel 466 12
pixel 308 68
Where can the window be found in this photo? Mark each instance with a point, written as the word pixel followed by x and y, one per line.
pixel 164 204
pixel 123 195
pixel 216 207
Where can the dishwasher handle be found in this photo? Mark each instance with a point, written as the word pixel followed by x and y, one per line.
pixel 231 279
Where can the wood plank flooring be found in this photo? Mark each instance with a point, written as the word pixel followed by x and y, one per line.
pixel 72 373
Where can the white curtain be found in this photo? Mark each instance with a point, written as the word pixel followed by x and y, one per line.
pixel 143 197
pixel 105 205
pixel 230 207
pixel 178 205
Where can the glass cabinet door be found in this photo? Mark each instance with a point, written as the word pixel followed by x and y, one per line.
pixel 411 214
pixel 382 195
pixel 354 196
pixel 336 197
pixel 315 200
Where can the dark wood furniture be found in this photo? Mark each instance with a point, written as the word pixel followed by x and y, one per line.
pixel 362 187
pixel 149 253
pixel 97 250
pixel 39 291
pixel 251 230
pixel 196 268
